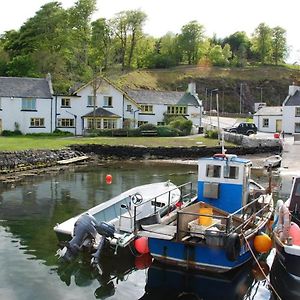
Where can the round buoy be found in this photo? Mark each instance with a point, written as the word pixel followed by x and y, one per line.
pixel 262 243
pixel 141 245
pixel 294 233
pixel 143 262
pixel 108 179
pixel 257 273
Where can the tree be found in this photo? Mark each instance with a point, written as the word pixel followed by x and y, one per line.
pixel 262 43
pixel 190 39
pixel 220 56
pixel 279 44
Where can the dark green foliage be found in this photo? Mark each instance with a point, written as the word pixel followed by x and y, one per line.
pixel 211 134
pixel 185 126
pixel 56 132
pixel 167 131
pixel 11 132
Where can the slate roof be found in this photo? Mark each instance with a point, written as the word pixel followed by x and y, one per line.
pixel 155 97
pixel 293 100
pixel 101 112
pixel 269 111
pixel 20 87
pixel 189 99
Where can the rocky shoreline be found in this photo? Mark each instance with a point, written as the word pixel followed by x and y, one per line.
pixel 18 165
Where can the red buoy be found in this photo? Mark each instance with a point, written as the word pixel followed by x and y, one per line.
pixel 141 245
pixel 143 261
pixel 108 179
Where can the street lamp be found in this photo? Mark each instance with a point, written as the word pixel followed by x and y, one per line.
pixel 261 89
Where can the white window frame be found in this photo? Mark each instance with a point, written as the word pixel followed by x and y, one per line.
pixel 90 101
pixel 65 122
pixel 177 110
pixel 266 123
pixel 28 104
pixel 297 111
pixel 37 122
pixel 107 101
pixel 65 102
pixel 145 108
pixel 109 123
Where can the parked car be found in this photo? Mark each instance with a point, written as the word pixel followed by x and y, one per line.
pixel 243 128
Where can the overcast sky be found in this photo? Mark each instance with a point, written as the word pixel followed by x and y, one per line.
pixel 223 17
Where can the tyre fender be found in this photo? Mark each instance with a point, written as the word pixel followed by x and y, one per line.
pixel 233 247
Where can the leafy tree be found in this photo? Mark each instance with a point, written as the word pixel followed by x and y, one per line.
pixel 279 44
pixel 262 43
pixel 220 56
pixel 190 39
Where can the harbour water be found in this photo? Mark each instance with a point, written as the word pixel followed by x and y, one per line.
pixel 29 268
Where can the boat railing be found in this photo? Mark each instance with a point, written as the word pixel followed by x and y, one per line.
pixel 186 194
pixel 221 223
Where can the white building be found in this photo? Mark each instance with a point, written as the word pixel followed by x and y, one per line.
pixel 281 118
pixel 26 104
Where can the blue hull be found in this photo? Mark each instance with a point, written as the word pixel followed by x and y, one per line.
pixel 198 256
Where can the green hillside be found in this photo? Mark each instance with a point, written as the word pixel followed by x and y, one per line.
pixel 269 83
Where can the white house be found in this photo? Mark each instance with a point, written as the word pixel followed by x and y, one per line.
pixel 26 104
pixel 281 118
pixel 268 119
pixel 291 111
pixel 115 108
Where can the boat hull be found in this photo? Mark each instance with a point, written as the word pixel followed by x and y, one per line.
pixel 202 257
pixel 288 256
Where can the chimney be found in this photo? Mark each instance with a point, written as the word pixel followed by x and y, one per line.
pixel 192 88
pixel 293 89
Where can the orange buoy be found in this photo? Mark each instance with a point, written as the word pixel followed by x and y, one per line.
pixel 108 179
pixel 141 245
pixel 143 262
pixel 262 243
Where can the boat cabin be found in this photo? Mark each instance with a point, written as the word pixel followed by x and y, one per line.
pixel 223 181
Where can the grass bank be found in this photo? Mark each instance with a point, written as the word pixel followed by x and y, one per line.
pixel 26 142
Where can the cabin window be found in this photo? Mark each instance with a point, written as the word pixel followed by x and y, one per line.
pixel 213 171
pixel 231 172
pixel 297 190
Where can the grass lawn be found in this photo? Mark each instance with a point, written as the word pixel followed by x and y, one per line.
pixel 27 142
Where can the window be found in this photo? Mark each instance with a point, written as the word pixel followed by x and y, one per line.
pixel 231 172
pixel 129 107
pixel 297 111
pixel 28 104
pixel 65 102
pixel 107 100
pixel 37 122
pixel 91 101
pixel 65 122
pixel 213 171
pixel 265 122
pixel 141 123
pixel 297 127
pixel 90 123
pixel 147 108
pixel 177 110
pixel 109 123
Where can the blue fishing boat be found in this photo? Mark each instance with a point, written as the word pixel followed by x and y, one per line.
pixel 217 231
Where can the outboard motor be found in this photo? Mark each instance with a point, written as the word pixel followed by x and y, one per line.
pixel 86 229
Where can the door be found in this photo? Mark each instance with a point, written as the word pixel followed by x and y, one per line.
pixel 278 125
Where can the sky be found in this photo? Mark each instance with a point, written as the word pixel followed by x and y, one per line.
pixel 220 17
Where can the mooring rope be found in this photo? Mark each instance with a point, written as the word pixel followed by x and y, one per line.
pixel 261 269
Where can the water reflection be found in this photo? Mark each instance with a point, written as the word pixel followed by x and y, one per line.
pixel 28 244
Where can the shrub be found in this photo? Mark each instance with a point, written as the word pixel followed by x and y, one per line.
pixel 11 133
pixel 211 134
pixel 185 126
pixel 167 131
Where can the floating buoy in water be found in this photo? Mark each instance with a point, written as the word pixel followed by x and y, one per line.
pixel 143 262
pixel 108 179
pixel 257 272
pixel 262 243
pixel 141 245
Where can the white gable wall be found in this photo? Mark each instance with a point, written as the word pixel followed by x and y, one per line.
pixel 289 119
pixel 12 113
pixel 259 122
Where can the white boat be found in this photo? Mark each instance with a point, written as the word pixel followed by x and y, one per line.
pixel 287 232
pixel 118 219
pixel 273 161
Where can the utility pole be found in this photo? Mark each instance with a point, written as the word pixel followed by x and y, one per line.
pixel 241 93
